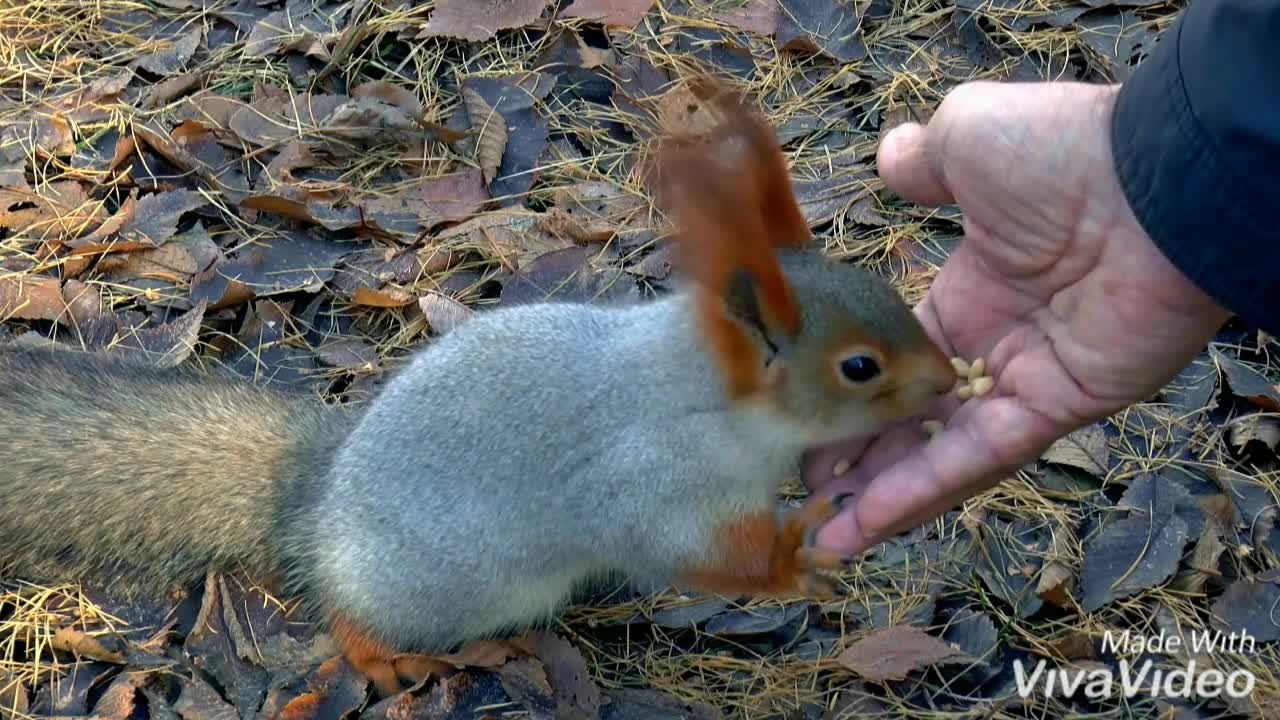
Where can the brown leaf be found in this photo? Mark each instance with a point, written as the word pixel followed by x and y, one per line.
pixel 54 136
pixel 491 142
pixel 442 312
pixel 156 218
pixel 174 57
pixel 82 301
pixel 285 263
pixel 348 353
pixel 13 696
pixel 199 701
pixel 31 297
pixel 1059 573
pixel 387 297
pixel 477 20
pixel 485 653
pixel 575 691
pixel 61 209
pixel 117 703
pixel 110 226
pixel 756 16
pixel 391 94
pixel 161 93
pixel 1263 429
pixel 892 653
pixel 1247 383
pixel 77 642
pixel 590 211
pixel 611 13
pixel 1085 448
pixel 829 27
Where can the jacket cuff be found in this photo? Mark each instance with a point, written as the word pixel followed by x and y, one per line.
pixel 1190 179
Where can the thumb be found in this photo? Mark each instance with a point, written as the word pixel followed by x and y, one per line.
pixel 909 168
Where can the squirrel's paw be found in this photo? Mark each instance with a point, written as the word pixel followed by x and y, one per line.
pixel 799 534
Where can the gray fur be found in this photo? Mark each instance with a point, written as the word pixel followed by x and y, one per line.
pixel 532 449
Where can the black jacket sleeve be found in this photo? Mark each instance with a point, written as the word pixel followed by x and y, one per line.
pixel 1196 138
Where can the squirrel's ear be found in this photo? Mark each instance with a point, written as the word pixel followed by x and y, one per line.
pixel 729 193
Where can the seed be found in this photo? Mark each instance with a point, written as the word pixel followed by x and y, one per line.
pixel 961 366
pixel 841 467
pixel 965 392
pixel 983 385
pixel 933 427
pixel 976 370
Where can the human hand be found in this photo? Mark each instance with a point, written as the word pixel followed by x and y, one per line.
pixel 1055 283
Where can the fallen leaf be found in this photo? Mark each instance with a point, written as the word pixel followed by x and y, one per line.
pixel 1012 555
pixel 175 56
pixel 570 274
pixel 199 701
pixel 155 219
pixel 893 652
pixel 641 704
pixel 443 313
pixel 513 97
pixel 611 13
pixel 348 353
pixel 1117 38
pixel 31 297
pixel 386 297
pixel 166 345
pixel 759 17
pixel 574 689
pixel 1264 429
pixel 477 20
pixel 491 138
pixel 690 614
pixel 755 621
pixel 13 696
pixel 1132 554
pixel 289 262
pixel 1086 449
pixel 117 702
pixel 166 90
pixel 1247 383
pixel 50 212
pixel 1058 576
pixel 830 27
pixel 81 644
pixel 1249 606
pixel 485 653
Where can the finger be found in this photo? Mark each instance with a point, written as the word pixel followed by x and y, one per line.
pixel 909 168
pixel 998 437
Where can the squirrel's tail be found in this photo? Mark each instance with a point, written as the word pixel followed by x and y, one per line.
pixel 138 477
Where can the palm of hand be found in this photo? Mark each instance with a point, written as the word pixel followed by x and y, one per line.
pixel 1075 310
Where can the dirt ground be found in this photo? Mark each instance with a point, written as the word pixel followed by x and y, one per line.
pixel 304 191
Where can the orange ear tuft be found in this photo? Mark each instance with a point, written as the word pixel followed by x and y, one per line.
pixel 730 195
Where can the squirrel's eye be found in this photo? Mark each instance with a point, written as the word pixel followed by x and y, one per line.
pixel 859 368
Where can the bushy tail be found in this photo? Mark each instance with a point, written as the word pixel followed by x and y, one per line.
pixel 142 478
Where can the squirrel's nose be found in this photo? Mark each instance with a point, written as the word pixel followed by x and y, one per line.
pixel 940 373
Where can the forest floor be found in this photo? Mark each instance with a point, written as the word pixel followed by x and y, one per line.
pixel 306 190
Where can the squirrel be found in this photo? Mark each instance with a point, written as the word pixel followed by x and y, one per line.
pixel 663 431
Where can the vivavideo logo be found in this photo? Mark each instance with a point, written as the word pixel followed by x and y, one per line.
pixel 1145 678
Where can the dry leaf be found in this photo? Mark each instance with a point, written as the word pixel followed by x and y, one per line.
pixel 830 27
pixel 1246 382
pixel 610 13
pixel 759 17
pixel 1085 448
pixel 477 20
pixel 156 218
pixel 892 653
pixel 77 642
pixel 442 312
pixel 1264 429
pixel 491 143
pixel 386 297
pixel 31 297
pixel 1059 574
pixel 61 209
